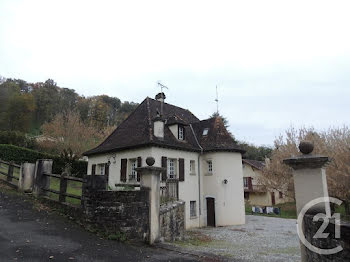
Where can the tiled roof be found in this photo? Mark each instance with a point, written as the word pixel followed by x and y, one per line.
pixel 254 163
pixel 137 131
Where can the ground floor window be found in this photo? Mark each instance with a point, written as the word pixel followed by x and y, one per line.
pixel 193 209
pixel 280 195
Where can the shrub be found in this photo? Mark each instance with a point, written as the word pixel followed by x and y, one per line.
pixel 17 139
pixel 20 155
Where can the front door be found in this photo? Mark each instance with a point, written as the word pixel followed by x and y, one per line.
pixel 273 198
pixel 210 212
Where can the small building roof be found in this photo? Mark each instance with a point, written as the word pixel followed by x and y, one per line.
pixel 254 163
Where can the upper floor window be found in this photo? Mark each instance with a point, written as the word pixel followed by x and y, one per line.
pixel 192 167
pixel 171 168
pixel 181 133
pixel 210 166
pixel 205 131
pixel 133 173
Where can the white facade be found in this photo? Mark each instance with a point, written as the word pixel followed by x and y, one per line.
pixel 224 183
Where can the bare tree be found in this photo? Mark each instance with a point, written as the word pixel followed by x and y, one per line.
pixel 334 143
pixel 68 132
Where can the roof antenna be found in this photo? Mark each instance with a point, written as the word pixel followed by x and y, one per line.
pixel 162 97
pixel 217 101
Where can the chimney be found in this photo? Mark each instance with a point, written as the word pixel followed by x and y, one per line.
pixel 161 97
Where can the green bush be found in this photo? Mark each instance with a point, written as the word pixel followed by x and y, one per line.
pixel 17 139
pixel 20 155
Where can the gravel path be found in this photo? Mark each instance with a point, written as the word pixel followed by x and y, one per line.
pixel 260 239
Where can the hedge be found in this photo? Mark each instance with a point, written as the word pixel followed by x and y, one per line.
pixel 17 139
pixel 20 155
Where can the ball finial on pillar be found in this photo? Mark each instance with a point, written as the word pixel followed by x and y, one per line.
pixel 306 147
pixel 150 161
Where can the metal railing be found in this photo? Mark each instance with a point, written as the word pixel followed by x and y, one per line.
pixel 170 191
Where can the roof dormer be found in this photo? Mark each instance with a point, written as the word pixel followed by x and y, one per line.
pixel 177 127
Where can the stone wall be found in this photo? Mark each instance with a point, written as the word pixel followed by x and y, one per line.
pixel 118 212
pixel 172 221
pixel 310 229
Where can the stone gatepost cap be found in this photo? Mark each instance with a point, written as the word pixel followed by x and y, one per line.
pixel 307 160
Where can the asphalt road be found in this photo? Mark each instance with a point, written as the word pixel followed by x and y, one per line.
pixel 29 234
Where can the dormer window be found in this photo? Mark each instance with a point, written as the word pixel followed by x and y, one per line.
pixel 205 131
pixel 181 133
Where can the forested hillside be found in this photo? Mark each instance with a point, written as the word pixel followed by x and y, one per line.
pixel 59 113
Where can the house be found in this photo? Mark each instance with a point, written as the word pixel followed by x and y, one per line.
pixel 254 193
pixel 201 155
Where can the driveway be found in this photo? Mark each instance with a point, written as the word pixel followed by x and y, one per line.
pixel 29 234
pixel 260 239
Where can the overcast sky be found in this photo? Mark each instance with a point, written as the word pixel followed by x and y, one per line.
pixel 276 63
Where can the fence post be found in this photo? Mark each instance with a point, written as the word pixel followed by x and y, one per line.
pixel 63 188
pixel 26 177
pixel 40 180
pixel 10 173
pixel 310 183
pixel 150 179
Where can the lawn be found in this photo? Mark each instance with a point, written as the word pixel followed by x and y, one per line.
pixel 288 210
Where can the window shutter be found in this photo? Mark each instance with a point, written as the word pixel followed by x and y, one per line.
pixel 123 163
pixel 93 169
pixel 139 164
pixel 107 170
pixel 184 133
pixel 181 169
pixel 164 164
pixel 250 186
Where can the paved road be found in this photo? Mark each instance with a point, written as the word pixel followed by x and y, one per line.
pixel 27 234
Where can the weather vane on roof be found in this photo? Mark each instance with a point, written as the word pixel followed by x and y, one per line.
pixel 217 101
pixel 162 86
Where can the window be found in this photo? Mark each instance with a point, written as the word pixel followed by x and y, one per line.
pixel 210 166
pixel 245 181
pixel 133 172
pixel 205 131
pixel 192 167
pixel 101 169
pixel 181 133
pixel 280 195
pixel 193 210
pixel 171 168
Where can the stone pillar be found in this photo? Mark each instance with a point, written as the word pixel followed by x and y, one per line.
pixel 150 179
pixel 310 182
pixel 26 177
pixel 40 180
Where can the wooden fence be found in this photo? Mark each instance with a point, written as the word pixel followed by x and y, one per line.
pixel 62 192
pixel 9 173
